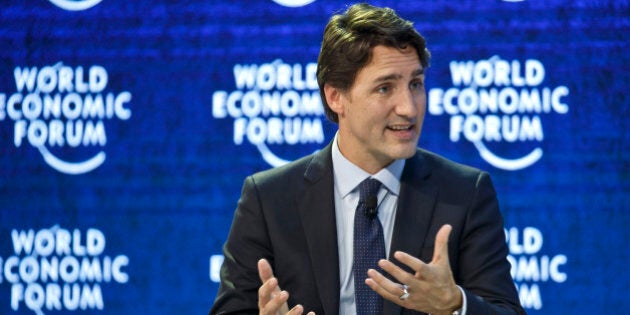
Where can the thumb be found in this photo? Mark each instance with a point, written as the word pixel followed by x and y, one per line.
pixel 264 270
pixel 440 254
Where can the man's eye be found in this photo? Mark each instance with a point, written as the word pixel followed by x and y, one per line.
pixel 383 89
pixel 416 85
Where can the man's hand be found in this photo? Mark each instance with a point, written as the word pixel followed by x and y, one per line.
pixel 271 299
pixel 431 288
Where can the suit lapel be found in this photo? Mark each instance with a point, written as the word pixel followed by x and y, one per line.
pixel 317 211
pixel 413 215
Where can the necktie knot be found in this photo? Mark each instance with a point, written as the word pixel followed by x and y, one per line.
pixel 368 187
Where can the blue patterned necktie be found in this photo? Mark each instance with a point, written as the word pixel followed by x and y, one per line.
pixel 369 247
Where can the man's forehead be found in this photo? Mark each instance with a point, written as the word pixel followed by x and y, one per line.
pixel 396 62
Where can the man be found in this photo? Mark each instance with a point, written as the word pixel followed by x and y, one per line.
pixel 370 224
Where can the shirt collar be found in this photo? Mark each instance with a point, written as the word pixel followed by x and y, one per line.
pixel 348 176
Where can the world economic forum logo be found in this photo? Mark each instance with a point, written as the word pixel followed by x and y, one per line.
pixel 275 106
pixel 59 270
pixel 61 109
pixel 77 5
pixel 499 101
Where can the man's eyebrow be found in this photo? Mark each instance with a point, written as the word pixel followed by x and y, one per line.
pixel 418 72
pixel 389 77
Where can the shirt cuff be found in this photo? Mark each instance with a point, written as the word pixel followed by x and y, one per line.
pixel 461 311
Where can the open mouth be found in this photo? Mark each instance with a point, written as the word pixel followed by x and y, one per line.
pixel 400 127
pixel 403 132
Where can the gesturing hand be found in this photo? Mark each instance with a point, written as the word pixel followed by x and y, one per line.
pixel 431 288
pixel 271 299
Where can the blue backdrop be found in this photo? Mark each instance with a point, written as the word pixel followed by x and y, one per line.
pixel 127 128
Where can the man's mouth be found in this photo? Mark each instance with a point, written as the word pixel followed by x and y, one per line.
pixel 400 127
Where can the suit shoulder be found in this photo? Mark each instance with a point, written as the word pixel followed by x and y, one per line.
pixel 283 174
pixel 456 181
pixel 447 168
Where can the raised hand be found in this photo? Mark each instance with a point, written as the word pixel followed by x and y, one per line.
pixel 271 299
pixel 431 288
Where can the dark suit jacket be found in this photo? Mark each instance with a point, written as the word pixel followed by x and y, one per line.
pixel 287 215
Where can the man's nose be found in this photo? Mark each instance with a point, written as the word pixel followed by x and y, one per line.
pixel 407 104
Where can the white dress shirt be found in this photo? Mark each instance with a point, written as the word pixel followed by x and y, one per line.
pixel 347 177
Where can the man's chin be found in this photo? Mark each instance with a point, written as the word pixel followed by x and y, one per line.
pixel 405 152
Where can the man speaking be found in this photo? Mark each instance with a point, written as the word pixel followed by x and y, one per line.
pixel 371 224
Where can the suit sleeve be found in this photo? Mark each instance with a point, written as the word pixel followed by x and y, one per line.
pixel 484 271
pixel 247 242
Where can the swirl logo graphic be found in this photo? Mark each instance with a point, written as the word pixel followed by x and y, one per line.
pixel 75 5
pixel 58 107
pixel 293 3
pixel 501 101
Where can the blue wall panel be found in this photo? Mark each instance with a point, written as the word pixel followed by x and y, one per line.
pixel 122 157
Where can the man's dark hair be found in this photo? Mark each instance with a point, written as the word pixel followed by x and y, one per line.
pixel 348 42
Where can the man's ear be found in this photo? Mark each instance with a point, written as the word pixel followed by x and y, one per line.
pixel 333 98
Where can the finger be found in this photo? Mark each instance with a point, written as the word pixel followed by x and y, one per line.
pixel 267 291
pixel 412 262
pixel 441 244
pixel 398 273
pixel 264 270
pixel 296 310
pixel 270 297
pixel 275 304
pixel 383 286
